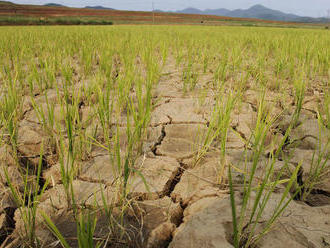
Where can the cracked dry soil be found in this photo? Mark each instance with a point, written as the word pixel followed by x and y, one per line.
pixel 184 206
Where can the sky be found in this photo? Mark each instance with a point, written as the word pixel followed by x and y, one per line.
pixel 314 8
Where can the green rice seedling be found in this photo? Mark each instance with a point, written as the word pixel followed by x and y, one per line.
pixel 323 60
pixel 86 224
pixel 207 141
pixel 189 77
pixel 206 59
pixel 221 71
pixel 245 222
pixel 236 58
pixel 202 98
pixel 10 113
pixel 85 229
pixel 50 76
pixel 224 124
pixel 43 75
pixel 300 88
pixel 37 77
pixel 141 113
pixel 123 159
pixel 291 68
pixel 67 146
pixel 320 164
pixel 105 110
pixel 218 127
pixel 325 110
pixel 46 117
pixel 28 202
pixel 87 221
pixel 67 72
pixel 138 111
pixel 164 53
pixel 153 68
pixel 54 230
pixel 106 63
pixel 280 66
pixel 178 53
pixel 87 58
pixel 68 171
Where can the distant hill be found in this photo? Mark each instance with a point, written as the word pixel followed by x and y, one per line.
pixel 98 7
pixel 261 12
pixel 54 5
pixel 257 11
pixel 6 3
pixel 220 12
pixel 191 11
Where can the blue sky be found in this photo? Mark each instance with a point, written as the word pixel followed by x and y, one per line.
pixel 314 8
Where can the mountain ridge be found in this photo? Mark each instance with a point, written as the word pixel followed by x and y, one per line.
pixel 98 7
pixel 54 5
pixel 256 11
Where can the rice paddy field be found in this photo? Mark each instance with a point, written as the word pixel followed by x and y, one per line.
pixel 164 136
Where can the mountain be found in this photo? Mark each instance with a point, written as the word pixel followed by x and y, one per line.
pixel 54 5
pixel 98 7
pixel 220 12
pixel 191 11
pixel 261 12
pixel 6 3
pixel 257 11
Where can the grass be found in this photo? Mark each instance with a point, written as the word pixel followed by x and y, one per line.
pixel 27 20
pixel 91 91
pixel 319 166
pixel 246 222
pixel 27 203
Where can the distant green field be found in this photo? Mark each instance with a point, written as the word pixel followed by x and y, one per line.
pixel 26 20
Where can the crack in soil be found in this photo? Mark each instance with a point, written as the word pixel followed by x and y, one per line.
pixel 93 180
pixel 312 111
pixel 9 226
pixel 159 141
pixel 25 164
pixel 160 104
pixel 170 118
pixel 322 197
pixel 170 185
pixel 302 138
pixel 174 179
pixel 254 108
pixel 189 122
pixel 318 198
pixel 242 135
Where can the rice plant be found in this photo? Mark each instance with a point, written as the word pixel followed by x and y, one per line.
pixel 247 216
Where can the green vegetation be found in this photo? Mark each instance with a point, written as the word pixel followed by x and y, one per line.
pixel 66 20
pixel 89 92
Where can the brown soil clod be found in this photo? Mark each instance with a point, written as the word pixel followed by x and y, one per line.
pixel 318 198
